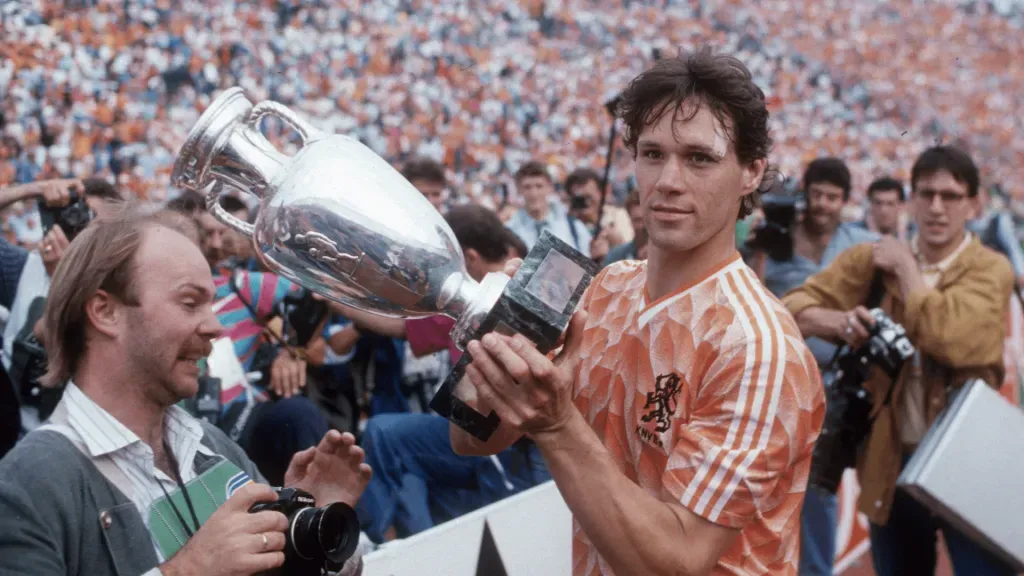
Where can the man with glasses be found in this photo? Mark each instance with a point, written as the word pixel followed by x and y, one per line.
pixel 951 294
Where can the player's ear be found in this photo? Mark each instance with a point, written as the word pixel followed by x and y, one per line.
pixel 753 173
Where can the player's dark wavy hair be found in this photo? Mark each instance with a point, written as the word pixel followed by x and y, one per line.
pixel 723 84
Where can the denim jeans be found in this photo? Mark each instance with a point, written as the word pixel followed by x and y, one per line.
pixel 818 521
pixel 418 480
pixel 905 546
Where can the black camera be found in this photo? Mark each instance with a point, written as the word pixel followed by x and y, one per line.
pixel 317 539
pixel 72 218
pixel 28 364
pixel 579 202
pixel 848 415
pixel 304 315
pixel 775 234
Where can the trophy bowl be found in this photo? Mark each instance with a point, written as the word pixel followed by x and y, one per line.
pixel 334 218
pixel 339 220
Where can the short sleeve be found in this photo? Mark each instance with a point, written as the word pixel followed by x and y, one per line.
pixel 748 441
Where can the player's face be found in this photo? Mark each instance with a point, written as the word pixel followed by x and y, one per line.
pixel 690 180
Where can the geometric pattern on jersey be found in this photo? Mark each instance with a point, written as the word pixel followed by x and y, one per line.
pixel 708 398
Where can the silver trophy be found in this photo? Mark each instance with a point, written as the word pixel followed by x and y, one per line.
pixel 339 220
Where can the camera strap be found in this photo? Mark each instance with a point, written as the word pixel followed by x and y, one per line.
pixel 184 493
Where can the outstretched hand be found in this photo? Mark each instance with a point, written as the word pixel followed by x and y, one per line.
pixel 332 471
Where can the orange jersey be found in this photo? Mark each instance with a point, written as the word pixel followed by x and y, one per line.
pixel 708 398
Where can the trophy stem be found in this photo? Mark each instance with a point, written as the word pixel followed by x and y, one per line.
pixel 474 302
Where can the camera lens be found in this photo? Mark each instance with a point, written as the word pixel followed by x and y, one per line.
pixel 327 533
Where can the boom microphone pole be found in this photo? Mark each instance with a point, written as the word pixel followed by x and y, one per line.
pixel 611 106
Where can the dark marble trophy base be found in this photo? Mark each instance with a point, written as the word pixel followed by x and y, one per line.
pixel 537 303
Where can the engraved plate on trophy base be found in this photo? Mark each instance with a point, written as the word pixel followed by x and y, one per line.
pixel 537 303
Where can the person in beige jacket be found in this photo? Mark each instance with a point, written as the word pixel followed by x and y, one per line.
pixel 952 295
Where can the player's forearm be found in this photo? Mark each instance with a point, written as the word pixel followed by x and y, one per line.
pixel 633 531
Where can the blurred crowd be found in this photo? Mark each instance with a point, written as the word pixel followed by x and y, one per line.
pixel 483 104
pixel 110 89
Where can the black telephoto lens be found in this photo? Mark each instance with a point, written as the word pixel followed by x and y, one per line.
pixel 328 533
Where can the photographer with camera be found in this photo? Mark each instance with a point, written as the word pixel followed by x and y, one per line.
pixel 790 250
pixel 950 294
pixel 583 186
pixel 123 482
pixel 66 207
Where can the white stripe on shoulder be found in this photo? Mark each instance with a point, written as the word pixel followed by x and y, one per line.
pixel 648 315
pixel 776 392
pixel 742 415
pixel 737 418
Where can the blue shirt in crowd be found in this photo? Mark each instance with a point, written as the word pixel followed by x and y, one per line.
pixel 781 277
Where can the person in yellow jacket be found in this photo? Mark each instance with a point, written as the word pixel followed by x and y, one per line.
pixel 951 294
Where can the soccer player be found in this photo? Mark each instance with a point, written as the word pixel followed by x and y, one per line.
pixel 679 418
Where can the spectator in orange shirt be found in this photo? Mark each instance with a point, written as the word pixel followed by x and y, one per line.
pixel 679 418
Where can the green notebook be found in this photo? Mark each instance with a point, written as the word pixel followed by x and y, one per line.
pixel 207 492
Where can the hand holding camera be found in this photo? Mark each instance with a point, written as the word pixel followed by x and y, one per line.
pixel 57 193
pixel 848 419
pixel 316 537
pixel 52 248
pixel 233 541
pixel 854 327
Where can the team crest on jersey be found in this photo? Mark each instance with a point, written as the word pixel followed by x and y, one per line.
pixel 660 406
pixel 236 482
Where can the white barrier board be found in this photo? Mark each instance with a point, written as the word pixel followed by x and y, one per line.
pixel 532 532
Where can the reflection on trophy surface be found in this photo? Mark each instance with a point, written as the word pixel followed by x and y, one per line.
pixel 339 220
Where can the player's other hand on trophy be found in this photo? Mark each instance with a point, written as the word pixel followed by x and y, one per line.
pixel 527 389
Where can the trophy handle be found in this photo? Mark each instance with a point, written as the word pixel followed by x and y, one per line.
pixel 270 108
pixel 218 211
